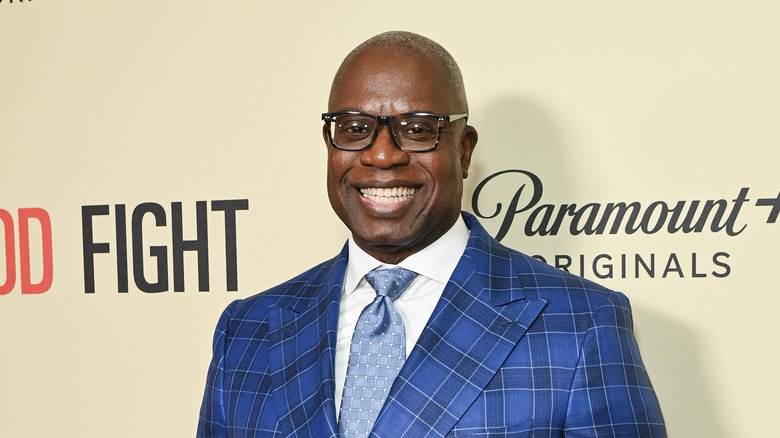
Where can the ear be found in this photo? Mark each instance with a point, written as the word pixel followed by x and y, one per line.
pixel 468 142
pixel 325 134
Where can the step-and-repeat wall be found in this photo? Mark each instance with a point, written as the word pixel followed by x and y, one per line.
pixel 160 159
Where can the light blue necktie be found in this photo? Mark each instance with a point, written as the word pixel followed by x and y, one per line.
pixel 376 355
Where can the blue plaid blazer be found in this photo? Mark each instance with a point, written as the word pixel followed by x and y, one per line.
pixel 514 348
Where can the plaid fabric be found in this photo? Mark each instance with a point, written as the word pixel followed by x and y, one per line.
pixel 513 348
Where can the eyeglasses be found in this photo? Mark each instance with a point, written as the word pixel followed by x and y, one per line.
pixel 411 132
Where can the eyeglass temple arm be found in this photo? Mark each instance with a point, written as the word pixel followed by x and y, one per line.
pixel 454 117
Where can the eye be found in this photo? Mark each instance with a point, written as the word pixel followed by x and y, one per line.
pixel 353 128
pixel 417 128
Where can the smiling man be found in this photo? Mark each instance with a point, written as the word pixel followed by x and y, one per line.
pixel 423 324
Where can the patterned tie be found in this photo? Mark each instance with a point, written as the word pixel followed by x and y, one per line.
pixel 376 355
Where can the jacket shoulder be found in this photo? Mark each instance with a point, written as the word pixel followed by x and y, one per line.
pixel 562 289
pixel 302 287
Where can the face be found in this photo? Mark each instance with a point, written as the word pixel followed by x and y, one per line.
pixel 395 202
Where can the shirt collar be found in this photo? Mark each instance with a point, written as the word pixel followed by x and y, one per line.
pixel 436 261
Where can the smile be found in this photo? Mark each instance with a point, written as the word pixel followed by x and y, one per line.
pixel 388 195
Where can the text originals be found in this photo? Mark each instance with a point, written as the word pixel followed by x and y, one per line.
pixel 674 265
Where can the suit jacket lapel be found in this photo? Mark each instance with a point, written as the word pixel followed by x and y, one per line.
pixel 301 355
pixel 484 311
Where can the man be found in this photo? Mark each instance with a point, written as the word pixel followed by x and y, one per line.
pixel 423 325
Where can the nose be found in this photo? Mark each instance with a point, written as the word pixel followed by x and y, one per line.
pixel 384 154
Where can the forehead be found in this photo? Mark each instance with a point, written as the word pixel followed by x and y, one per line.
pixel 392 83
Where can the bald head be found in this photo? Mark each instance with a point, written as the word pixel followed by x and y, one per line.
pixel 407 50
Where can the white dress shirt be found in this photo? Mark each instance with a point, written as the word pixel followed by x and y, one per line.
pixel 434 265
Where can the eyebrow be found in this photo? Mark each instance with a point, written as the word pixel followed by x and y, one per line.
pixel 405 112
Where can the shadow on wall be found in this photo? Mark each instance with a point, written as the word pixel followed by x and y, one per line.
pixel 518 132
pixel 679 374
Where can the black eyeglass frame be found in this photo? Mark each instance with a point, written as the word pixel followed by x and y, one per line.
pixel 387 120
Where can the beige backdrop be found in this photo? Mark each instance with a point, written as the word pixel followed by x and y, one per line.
pixel 118 102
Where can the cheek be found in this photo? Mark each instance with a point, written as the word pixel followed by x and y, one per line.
pixel 337 167
pixel 445 172
pixel 339 192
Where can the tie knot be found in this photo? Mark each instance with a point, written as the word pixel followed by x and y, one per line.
pixel 390 282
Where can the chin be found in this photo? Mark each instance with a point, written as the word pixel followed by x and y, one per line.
pixel 377 238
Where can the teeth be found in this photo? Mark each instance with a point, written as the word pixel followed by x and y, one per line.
pixel 388 195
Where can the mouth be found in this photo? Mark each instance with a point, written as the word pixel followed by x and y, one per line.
pixel 388 195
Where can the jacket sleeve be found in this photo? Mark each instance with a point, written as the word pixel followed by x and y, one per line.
pixel 213 419
pixel 611 394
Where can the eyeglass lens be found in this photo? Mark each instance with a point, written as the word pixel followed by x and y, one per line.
pixel 413 133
